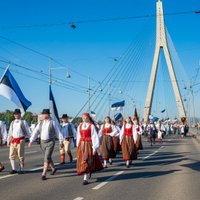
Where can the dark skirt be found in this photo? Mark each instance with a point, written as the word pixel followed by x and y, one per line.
pixel 139 145
pixel 128 148
pixel 107 147
pixel 116 143
pixel 86 161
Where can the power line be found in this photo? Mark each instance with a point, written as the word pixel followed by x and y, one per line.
pixel 72 24
pixel 46 56
pixel 67 84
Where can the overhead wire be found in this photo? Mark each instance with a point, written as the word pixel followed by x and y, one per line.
pixel 73 23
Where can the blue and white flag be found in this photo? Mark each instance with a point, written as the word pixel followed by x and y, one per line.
pixel 52 107
pixel 163 111
pixel 118 105
pixel 118 116
pixel 93 114
pixel 10 89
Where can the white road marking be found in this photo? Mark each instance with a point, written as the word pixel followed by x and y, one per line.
pixel 30 152
pixel 108 180
pixel 155 152
pixel 7 176
pixel 79 198
pixel 29 170
pixel 38 168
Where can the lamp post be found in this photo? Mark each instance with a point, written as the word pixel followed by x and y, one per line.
pixel 56 68
pixel 89 94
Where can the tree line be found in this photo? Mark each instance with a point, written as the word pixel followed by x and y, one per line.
pixel 7 117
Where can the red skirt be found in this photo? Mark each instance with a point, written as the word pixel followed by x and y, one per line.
pixel 128 148
pixel 86 161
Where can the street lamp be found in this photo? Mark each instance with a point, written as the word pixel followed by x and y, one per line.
pixel 68 75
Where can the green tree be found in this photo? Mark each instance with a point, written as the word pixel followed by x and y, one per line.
pixel 9 117
pixel 77 121
pixel 28 117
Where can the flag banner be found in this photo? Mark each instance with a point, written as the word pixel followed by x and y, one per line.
pixel 10 89
pixel 118 104
pixel 118 116
pixel 93 114
pixel 163 111
pixel 52 107
pixel 117 108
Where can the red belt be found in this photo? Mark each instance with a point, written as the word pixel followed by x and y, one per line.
pixel 17 140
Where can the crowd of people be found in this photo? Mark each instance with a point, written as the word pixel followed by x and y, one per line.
pixel 97 144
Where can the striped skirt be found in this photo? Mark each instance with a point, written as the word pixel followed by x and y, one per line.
pixel 107 147
pixel 86 161
pixel 128 148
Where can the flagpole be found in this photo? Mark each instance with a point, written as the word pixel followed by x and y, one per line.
pixel 89 95
pixel 50 81
pixel 5 72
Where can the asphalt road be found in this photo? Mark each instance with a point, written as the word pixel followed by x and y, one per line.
pixel 168 171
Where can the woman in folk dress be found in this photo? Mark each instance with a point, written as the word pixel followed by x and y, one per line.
pixel 107 132
pixel 88 142
pixel 127 142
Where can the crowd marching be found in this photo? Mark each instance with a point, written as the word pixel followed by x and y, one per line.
pixel 97 144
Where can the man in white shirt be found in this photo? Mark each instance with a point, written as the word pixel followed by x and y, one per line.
pixel 69 133
pixel 48 131
pixel 18 131
pixel 3 138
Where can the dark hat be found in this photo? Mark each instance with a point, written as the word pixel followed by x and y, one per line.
pixel 17 111
pixel 64 116
pixel 46 111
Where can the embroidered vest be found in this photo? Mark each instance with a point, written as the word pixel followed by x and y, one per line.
pixel 85 133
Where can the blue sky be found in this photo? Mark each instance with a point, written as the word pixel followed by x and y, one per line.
pixel 90 48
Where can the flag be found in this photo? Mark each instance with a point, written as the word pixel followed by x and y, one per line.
pixel 10 89
pixel 118 105
pixel 118 116
pixel 52 107
pixel 135 116
pixel 93 114
pixel 163 111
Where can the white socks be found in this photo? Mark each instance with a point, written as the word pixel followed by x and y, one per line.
pixel 105 163
pixel 110 160
pixel 21 166
pixel 127 162
pixel 85 177
pixel 12 162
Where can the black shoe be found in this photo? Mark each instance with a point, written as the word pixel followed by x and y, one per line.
pixel 90 175
pixel 13 172
pixel 62 163
pixel 21 172
pixel 85 182
pixel 53 172
pixel 2 168
pixel 110 162
pixel 127 166
pixel 43 178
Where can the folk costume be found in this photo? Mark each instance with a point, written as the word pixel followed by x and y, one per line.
pixel 107 132
pixel 49 131
pixel 18 131
pixel 127 143
pixel 87 142
pixel 69 133
pixel 3 138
